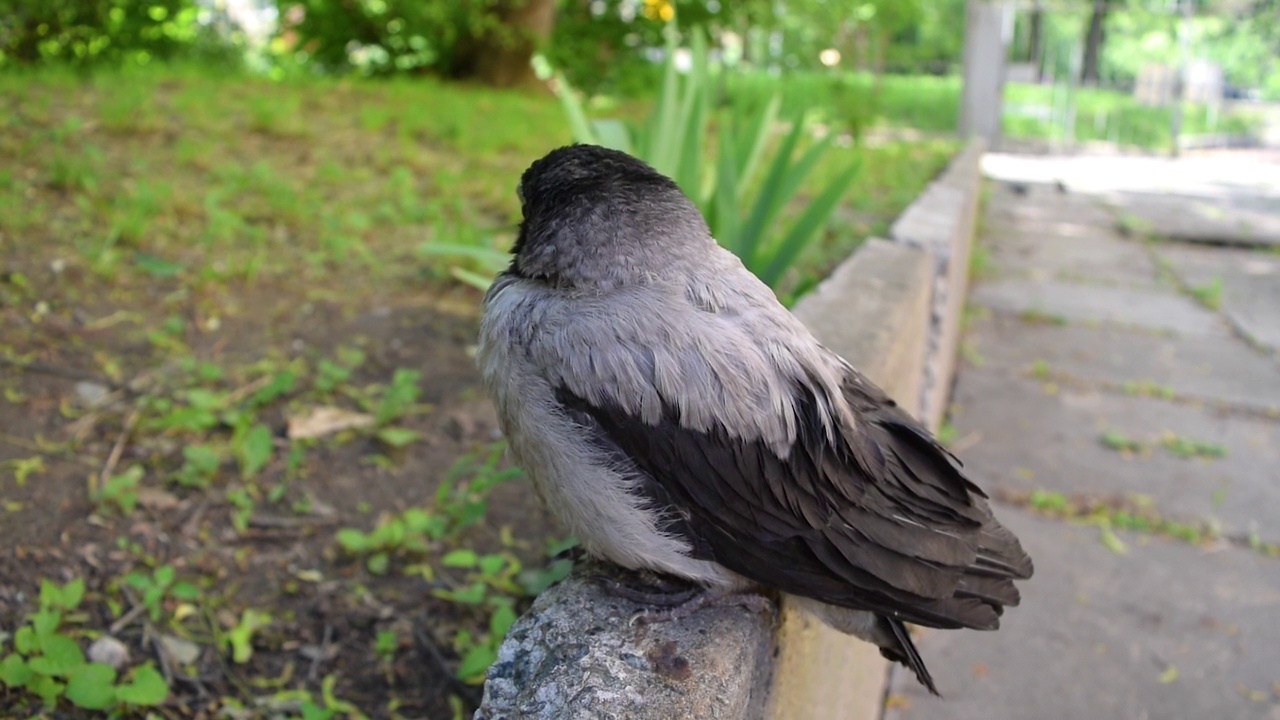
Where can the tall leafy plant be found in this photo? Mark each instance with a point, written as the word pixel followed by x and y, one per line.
pixel 743 208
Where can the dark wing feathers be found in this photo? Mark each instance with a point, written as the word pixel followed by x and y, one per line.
pixel 880 519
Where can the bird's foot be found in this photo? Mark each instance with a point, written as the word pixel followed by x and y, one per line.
pixel 658 590
pixel 754 602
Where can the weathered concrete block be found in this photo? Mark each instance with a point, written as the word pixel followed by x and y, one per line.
pixel 579 654
pixel 942 220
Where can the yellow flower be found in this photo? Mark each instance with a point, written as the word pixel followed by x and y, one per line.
pixel 662 10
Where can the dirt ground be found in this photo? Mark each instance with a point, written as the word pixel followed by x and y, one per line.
pixel 326 608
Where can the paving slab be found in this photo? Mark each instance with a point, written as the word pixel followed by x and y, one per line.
pixel 1033 204
pixel 1077 253
pixel 1250 282
pixel 1229 373
pixel 1198 219
pixel 1151 309
pixel 1236 178
pixel 1019 434
pixel 1164 631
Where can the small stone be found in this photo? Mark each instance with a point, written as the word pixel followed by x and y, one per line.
pixel 183 651
pixel 91 393
pixel 109 651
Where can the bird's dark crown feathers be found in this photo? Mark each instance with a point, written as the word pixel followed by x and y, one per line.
pixel 596 216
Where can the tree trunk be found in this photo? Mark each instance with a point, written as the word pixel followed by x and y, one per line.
pixel 500 57
pixel 1093 44
pixel 1035 50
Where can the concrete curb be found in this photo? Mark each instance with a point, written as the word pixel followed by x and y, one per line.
pixel 942 222
pixel 577 654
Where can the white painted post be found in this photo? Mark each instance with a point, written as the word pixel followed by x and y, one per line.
pixel 986 38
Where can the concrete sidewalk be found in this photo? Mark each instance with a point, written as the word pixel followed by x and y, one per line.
pixel 1112 374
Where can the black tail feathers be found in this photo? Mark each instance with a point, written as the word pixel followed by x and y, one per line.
pixel 905 652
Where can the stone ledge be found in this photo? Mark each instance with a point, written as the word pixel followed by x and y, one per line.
pixel 942 221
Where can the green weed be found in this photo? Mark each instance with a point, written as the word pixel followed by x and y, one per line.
pixel 160 584
pixel 46 661
pixel 1209 295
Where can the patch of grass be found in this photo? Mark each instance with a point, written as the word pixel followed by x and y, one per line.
pixel 1040 370
pixel 858 101
pixel 1208 295
pixel 1148 388
pixel 1122 443
pixel 1172 443
pixel 1189 448
pixel 1135 513
pixel 1040 317
pixel 46 661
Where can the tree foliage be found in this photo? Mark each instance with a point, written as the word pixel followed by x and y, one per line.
pixel 380 37
pixel 85 32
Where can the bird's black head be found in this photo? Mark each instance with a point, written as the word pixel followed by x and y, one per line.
pixel 595 217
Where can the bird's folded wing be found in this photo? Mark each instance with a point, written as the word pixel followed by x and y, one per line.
pixel 878 517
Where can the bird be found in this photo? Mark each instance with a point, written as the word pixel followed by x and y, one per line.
pixel 678 419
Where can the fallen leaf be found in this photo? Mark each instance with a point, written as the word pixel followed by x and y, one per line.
pixel 182 650
pixel 325 420
pixel 1169 675
pixel 1112 541
pixel 156 499
pixel 896 701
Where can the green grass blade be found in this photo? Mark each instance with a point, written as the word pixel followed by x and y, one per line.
pixel 488 257
pixel 693 118
pixel 613 134
pixel 797 173
pixel 578 124
pixel 808 225
pixel 662 128
pixel 474 279
pixel 767 202
pixel 751 145
pixel 725 222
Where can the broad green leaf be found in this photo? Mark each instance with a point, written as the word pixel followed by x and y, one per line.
pixel 378 563
pixel 147 687
pixel 92 686
pixel 472 594
pixel 183 590
pixel 241 636
pixel 61 655
pixel 398 437
pixel 475 662
pixel 14 671
pixel 72 594
pixel 501 621
pixel 164 575
pixel 25 640
pixel 45 622
pixel 281 383
pixel 50 594
pixel 46 688
pixel 254 450
pixel 460 559
pixel 491 565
